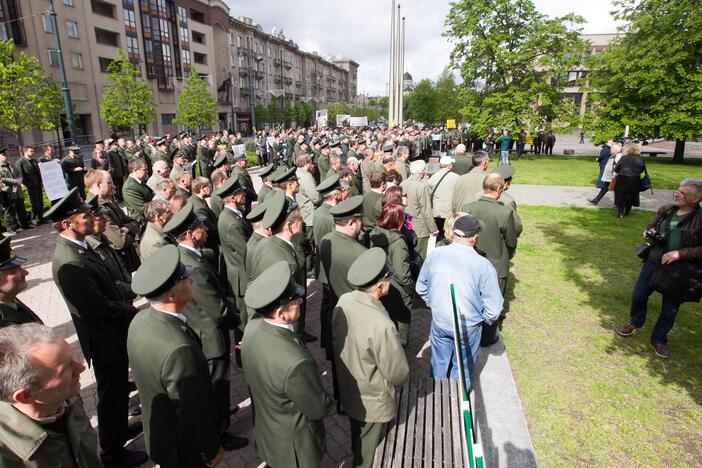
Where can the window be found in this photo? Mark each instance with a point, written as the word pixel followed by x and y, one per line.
pixel 241 82
pixel 198 37
pixel 238 41
pixel 167 119
pixel 161 5
pixel 129 18
pixel 241 61
pixel 163 26
pixel 77 60
pixel 166 51
pixel 148 47
pixel 103 36
pixel 183 33
pixel 3 32
pixel 71 29
pixel 197 16
pixel 48 24
pixel 186 56
pixel 182 14
pixel 146 23
pixel 54 57
pixel 68 2
pixel 104 63
pixel 200 58
pixel 132 45
pixel 155 31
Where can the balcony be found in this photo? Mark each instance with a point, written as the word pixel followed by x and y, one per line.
pixel 287 64
pixel 259 74
pixel 243 51
pixel 298 84
pixel 243 71
pixel 277 62
pixel 277 79
pixel 258 56
pixel 288 80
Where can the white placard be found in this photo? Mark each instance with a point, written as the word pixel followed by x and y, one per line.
pixel 436 136
pixel 358 121
pixel 239 149
pixel 320 117
pixel 53 180
pixel 341 119
pixel 270 141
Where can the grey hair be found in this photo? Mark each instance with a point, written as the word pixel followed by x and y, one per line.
pixel 163 183
pixel 17 371
pixel 696 185
pixel 351 160
pixel 155 208
pixel 479 157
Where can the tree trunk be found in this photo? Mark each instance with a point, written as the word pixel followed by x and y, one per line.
pixel 20 142
pixel 679 152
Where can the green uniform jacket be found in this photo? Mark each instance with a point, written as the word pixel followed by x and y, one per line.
pixel 370 199
pixel 419 206
pixel 499 238
pixel 234 233
pixel 116 162
pixel 399 300
pixel 15 316
pixel 200 208
pixel 208 312
pixel 272 250
pixel 159 155
pixel 25 443
pixel 468 188
pixel 245 181
pixel 135 195
pixel 402 169
pixel 152 240
pixel 337 252
pixel 175 391
pixel 117 219
pixel 263 192
pixel 28 172
pixel 462 165
pixel 323 225
pixel 288 394
pixel 370 360
pixel 308 197
pixel 73 178
pixel 216 204
pixel 99 313
pixel 118 270
pixel 323 164
pixel 508 201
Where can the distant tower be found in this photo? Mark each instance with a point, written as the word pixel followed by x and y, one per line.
pixel 407 84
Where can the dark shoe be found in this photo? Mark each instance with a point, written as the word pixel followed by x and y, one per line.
pixel 136 411
pixel 11 232
pixel 625 330
pixel 661 350
pixel 234 410
pixel 230 442
pixel 131 458
pixel 592 201
pixel 134 430
pixel 307 338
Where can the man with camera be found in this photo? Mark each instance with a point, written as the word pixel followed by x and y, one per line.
pixel 674 235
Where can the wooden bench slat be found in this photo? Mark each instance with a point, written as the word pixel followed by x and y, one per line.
pixel 401 444
pixel 391 443
pixel 419 435
pixel 438 455
pixel 429 425
pixel 411 441
pixel 455 398
pixel 380 449
pixel 446 423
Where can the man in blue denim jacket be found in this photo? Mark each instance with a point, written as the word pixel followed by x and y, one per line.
pixel 478 298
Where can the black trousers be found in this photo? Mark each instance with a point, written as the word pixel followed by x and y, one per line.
pixel 37 203
pixel 219 372
pixel 112 408
pixel 603 192
pixel 489 333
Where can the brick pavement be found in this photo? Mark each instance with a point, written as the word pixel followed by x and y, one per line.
pixel 37 245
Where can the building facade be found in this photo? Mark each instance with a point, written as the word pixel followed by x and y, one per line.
pixel 165 39
pixel 266 68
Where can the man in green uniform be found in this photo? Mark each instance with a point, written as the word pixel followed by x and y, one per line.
pixel 160 153
pixel 234 233
pixel 239 172
pixel 308 198
pixel 28 172
pixel 371 198
pixel 323 163
pixel 285 383
pixel 416 189
pixel 266 186
pixel 11 196
pixel 370 360
pixel 330 190
pixel 498 240
pixel 507 173
pixel 118 166
pixel 337 252
pixel 180 418
pixel 209 312
pixel 135 192
pixel 72 165
pixel 157 213
pixel 101 317
pixel 202 189
pixel 42 421
pixel 469 187
pixel 13 280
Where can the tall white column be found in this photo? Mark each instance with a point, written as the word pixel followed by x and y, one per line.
pixel 391 86
pixel 401 75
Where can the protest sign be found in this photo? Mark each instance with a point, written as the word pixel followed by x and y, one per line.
pixel 53 180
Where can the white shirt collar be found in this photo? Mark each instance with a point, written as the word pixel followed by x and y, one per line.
pixel 287 242
pixel 81 243
pixel 181 317
pixel 287 326
pixel 235 211
pixel 197 251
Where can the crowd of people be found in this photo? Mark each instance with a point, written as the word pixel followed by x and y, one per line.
pixel 368 213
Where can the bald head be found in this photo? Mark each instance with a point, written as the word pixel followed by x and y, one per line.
pixel 493 185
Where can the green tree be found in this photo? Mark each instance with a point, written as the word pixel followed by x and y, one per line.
pixel 28 99
pixel 420 105
pixel 651 77
pixel 515 62
pixel 290 114
pixel 127 101
pixel 262 115
pixel 447 103
pixel 274 112
pixel 196 106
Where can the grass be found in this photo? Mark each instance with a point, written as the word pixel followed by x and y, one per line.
pixel 583 171
pixel 590 396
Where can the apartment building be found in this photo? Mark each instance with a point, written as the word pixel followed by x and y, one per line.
pixel 266 67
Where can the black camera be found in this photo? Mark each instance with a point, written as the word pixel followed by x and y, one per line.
pixel 653 238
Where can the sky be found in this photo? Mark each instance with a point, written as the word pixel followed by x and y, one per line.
pixel 360 30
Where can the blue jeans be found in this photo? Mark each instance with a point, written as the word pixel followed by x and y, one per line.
pixel 443 352
pixel 639 303
pixel 505 157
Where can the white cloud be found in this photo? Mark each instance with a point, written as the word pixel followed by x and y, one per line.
pixel 359 29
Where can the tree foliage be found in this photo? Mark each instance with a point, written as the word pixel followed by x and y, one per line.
pixel 514 62
pixel 127 101
pixel 651 77
pixel 433 103
pixel 28 99
pixel 196 107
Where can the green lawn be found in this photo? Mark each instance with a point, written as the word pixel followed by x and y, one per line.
pixel 591 397
pixel 583 171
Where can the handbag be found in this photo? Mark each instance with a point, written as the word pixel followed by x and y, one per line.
pixel 613 183
pixel 645 183
pixel 681 280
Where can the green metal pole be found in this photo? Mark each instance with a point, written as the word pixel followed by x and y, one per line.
pixel 64 82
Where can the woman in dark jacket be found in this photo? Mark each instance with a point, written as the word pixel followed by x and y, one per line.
pixel 387 235
pixel 626 189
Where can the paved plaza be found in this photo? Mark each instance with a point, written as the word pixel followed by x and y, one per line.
pixel 502 425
